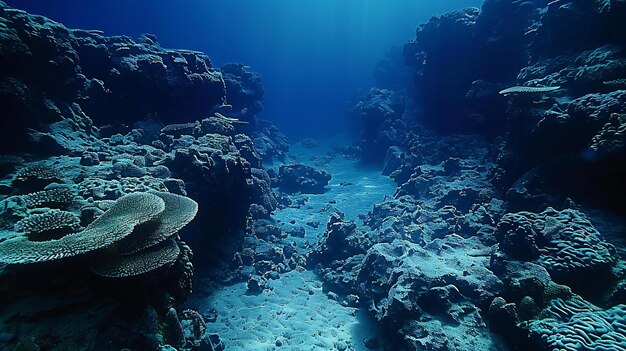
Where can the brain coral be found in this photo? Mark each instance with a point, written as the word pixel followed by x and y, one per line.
pixel 115 224
pixel 576 325
pixel 562 242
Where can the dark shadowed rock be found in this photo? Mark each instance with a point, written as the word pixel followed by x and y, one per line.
pixel 301 178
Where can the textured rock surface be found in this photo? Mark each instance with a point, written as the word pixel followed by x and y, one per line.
pixel 548 96
pixel 565 243
pixel 301 178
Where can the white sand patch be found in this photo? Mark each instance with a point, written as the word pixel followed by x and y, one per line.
pixel 297 313
pixel 353 190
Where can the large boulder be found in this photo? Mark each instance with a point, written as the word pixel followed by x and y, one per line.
pixel 302 178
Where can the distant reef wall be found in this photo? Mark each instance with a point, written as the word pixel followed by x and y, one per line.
pixel 49 72
pixel 564 118
pixel 505 131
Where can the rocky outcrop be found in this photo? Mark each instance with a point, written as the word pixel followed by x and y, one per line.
pixel 52 76
pixel 453 51
pixel 378 115
pixel 541 237
pixel 566 95
pixel 245 91
pixel 140 79
pixel 546 96
pixel 580 118
pixel 127 141
pixel 302 178
pixel 558 33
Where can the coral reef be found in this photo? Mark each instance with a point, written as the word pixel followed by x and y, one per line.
pixel 508 140
pixel 145 205
pixel 111 146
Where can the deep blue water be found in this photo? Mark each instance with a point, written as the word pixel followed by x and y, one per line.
pixel 312 54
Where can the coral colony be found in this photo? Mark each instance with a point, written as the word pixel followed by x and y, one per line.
pixel 476 203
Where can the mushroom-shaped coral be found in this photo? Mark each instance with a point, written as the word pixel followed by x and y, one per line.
pixel 115 224
pixel 111 265
pixel 149 246
pixel 179 211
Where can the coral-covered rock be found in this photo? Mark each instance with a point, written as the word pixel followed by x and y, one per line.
pixel 405 284
pixel 106 77
pixel 301 178
pixel 564 242
pixel 576 324
pixel 141 78
pixel 244 89
pixel 453 51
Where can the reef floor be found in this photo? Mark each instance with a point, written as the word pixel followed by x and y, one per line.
pixel 295 312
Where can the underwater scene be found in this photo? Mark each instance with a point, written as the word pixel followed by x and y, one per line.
pixel 342 175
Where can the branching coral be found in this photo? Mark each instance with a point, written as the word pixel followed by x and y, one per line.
pixel 58 197
pixel 48 225
pixel 611 139
pixel 37 175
